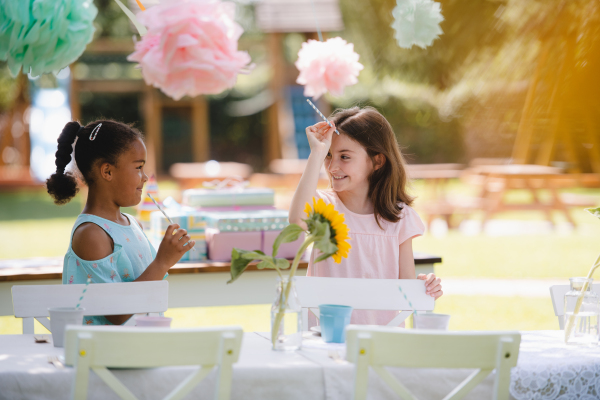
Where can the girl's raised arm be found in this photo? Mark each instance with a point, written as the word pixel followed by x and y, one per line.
pixel 319 139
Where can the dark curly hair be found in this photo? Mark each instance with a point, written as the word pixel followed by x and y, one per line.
pixel 104 144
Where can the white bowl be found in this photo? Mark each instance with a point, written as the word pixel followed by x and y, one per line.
pixel 431 321
pixel 153 321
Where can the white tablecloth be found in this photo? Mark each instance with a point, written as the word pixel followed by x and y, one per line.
pixel 546 369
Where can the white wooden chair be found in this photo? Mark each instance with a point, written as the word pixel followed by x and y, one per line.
pixel 363 294
pixel 380 347
pixel 101 347
pixel 557 294
pixel 33 301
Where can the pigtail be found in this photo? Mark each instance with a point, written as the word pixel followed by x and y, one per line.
pixel 63 186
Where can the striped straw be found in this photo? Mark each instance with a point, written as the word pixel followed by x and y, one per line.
pixel 165 214
pixel 321 114
pixel 406 298
pixel 84 290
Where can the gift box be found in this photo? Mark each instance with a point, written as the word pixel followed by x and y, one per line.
pixel 192 221
pixel 229 197
pixel 263 220
pixel 220 243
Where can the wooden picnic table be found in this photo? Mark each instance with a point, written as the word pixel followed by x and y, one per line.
pixel 436 178
pixel 496 180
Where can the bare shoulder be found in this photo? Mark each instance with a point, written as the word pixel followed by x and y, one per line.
pixel 90 242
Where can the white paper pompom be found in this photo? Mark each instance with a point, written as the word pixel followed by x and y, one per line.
pixel 417 22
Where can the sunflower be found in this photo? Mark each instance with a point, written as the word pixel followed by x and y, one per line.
pixel 338 229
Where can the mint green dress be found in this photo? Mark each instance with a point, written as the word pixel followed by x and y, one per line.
pixel 131 256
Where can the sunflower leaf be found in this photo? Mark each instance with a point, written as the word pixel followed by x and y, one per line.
pixel 289 234
pixel 326 247
pixel 324 244
pixel 253 255
pixel 282 263
pixel 320 229
pixel 325 256
pixel 265 264
pixel 238 263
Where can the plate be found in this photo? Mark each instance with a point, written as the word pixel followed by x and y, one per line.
pixel 316 329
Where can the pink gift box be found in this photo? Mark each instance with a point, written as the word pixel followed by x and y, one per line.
pixel 220 244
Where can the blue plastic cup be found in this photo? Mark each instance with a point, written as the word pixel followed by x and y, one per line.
pixel 333 320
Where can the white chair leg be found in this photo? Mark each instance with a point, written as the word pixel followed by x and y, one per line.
pixel 225 373
pixel 82 366
pixel 398 319
pixel 28 325
pixel 44 321
pixel 304 319
pixel 503 362
pixel 361 375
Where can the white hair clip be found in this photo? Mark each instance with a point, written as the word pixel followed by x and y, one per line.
pixel 95 132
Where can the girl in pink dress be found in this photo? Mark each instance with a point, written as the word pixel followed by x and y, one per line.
pixel 368 182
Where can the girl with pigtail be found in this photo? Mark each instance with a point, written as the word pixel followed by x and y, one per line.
pixel 108 245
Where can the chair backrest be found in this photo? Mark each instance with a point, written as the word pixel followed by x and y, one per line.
pixel 363 294
pixel 557 294
pixel 33 301
pixel 380 347
pixel 102 347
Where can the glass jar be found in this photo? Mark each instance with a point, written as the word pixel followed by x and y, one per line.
pixel 582 327
pixel 287 313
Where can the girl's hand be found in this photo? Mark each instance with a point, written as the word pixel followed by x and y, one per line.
pixel 433 285
pixel 172 246
pixel 319 137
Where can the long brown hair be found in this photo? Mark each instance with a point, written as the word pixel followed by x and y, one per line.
pixel 388 184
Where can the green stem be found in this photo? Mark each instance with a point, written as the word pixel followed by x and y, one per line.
pixel 571 320
pixel 285 293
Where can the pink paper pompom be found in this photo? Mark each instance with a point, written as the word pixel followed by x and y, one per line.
pixel 327 66
pixel 190 48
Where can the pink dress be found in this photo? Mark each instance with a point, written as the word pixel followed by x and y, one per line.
pixel 375 252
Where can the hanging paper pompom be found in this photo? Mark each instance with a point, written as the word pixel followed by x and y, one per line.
pixel 43 36
pixel 417 22
pixel 327 67
pixel 191 47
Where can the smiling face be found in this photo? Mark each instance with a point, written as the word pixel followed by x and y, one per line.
pixel 348 165
pixel 129 177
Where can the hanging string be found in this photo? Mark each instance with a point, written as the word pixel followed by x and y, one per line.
pixel 316 20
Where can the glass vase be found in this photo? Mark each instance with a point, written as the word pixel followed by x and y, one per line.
pixel 581 328
pixel 287 314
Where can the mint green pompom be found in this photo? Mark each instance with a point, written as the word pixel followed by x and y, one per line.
pixel 417 22
pixel 43 36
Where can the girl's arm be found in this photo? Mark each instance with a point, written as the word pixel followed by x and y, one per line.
pixel 433 286
pixel 319 139
pixel 90 242
pixel 170 251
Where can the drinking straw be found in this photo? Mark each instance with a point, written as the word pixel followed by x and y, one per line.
pixel 163 211
pixel 321 114
pixel 83 293
pixel 571 320
pixel 406 298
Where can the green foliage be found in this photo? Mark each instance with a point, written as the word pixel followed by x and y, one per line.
pixel 323 242
pixel 8 88
pixel 594 211
pixel 289 234
pixel 240 259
